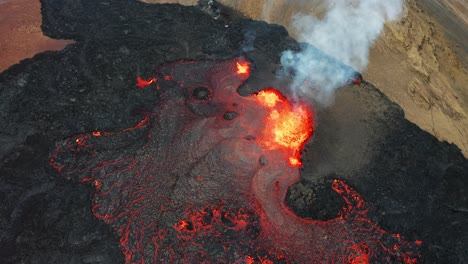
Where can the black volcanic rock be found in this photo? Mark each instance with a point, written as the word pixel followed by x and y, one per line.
pixel 415 185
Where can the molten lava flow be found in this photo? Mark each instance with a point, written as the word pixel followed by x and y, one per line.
pixel 287 126
pixel 243 68
pixel 188 185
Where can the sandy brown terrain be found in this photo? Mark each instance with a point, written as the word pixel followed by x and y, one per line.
pixel 416 65
pixel 20 27
pixel 419 62
pixel 454 21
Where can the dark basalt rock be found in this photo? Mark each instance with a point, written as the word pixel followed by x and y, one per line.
pixel 202 93
pixel 416 185
pixel 230 115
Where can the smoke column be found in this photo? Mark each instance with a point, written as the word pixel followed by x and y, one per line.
pixel 345 33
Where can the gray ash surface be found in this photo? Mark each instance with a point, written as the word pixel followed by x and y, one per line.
pixel 416 186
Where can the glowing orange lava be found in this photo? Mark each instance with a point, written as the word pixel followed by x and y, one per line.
pixel 182 225
pixel 243 68
pixel 295 161
pixel 269 98
pixel 143 83
pixel 287 126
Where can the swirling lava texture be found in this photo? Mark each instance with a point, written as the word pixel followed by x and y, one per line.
pixel 203 178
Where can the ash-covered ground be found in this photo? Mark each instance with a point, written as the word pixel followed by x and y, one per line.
pixel 414 185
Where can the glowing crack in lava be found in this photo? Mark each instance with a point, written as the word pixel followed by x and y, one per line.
pixel 143 83
pixel 203 179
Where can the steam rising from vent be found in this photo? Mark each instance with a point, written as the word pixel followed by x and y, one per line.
pixel 345 33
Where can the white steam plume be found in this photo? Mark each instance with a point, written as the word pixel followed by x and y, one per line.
pixel 346 33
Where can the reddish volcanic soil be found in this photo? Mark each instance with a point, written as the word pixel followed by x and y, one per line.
pixel 20 28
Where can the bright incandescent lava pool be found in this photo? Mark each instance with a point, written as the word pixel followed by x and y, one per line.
pixel 203 178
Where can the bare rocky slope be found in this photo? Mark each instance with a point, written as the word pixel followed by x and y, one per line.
pixel 416 65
